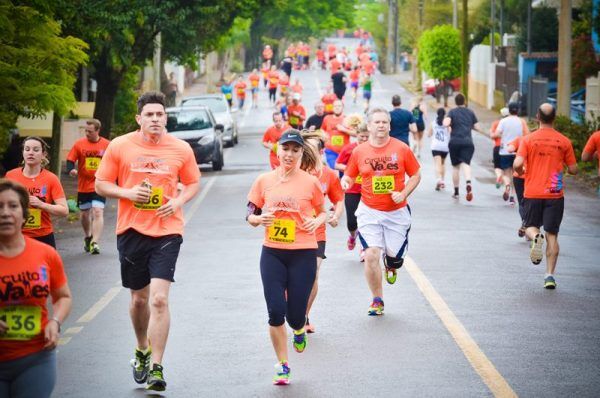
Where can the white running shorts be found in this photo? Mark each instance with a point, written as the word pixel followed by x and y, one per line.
pixel 387 230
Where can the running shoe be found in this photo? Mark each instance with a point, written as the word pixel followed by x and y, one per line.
pixel 94 248
pixel 455 196
pixel 351 242
pixel 156 380
pixel 521 231
pixel 537 246
pixel 438 185
pixel 469 193
pixel 86 244
pixel 511 201
pixel 361 256
pixel 390 273
pixel 309 327
pixel 300 340
pixel 376 307
pixel 506 193
pixel 549 282
pixel 498 182
pixel 442 185
pixel 141 365
pixel 282 374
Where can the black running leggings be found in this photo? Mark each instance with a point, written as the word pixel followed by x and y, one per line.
pixel 351 201
pixel 293 271
pixel 519 189
pixel 273 94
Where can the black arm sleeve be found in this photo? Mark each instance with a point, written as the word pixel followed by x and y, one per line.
pixel 70 166
pixel 252 209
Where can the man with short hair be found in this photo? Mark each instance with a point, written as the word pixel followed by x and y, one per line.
pixel 296 112
pixel 338 135
pixel 462 120
pixel 271 137
pixel 315 121
pixel 143 170
pixel 383 214
pixel 87 153
pixel 546 153
pixel 402 122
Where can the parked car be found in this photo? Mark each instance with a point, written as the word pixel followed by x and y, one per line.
pixel 430 85
pixel 196 125
pixel 220 109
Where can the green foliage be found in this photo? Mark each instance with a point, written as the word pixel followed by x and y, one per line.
pixel 367 16
pixel 544 31
pixel 126 103
pixel 439 52
pixel 435 12
pixel 584 61
pixel 497 39
pixel 578 134
pixel 37 66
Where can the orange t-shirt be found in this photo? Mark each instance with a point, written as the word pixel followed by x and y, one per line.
pixel 46 186
pixel 355 75
pixel 296 115
pixel 87 154
pixel 265 73
pixel 272 135
pixel 546 152
pixel 328 100
pixel 240 89
pixel 284 83
pixel 593 146
pixel 26 282
pixel 383 170
pixel 297 88
pixel 292 201
pixel 364 57
pixel 254 80
pixel 368 67
pixel 320 55
pixel 331 50
pixel 336 139
pixel 331 187
pixel 343 158
pixel 273 79
pixel 493 128
pixel 334 66
pixel 129 160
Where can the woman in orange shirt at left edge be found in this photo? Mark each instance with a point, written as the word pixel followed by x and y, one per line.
pixel 46 195
pixel 30 273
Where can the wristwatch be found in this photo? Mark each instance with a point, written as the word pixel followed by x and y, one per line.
pixel 55 319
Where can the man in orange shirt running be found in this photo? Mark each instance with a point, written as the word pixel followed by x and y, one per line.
pixel 383 215
pixel 273 83
pixel 143 170
pixel 546 153
pixel 296 113
pixel 591 150
pixel 271 137
pixel 254 82
pixel 87 153
pixel 328 99
pixel 240 91
pixel 338 135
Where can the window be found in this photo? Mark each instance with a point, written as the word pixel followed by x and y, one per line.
pixel 187 120
pixel 216 105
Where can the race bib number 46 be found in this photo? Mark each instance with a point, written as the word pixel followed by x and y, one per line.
pixel 282 231
pixel 383 184
pixel 24 322
pixel 92 163
pixel 34 219
pixel 156 200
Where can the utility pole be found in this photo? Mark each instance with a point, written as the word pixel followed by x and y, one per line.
pixel 563 96
pixel 157 62
pixel 465 50
pixel 392 36
pixel 493 31
pixel 529 12
pixel 455 14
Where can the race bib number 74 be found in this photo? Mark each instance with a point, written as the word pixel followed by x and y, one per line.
pixel 24 322
pixel 282 231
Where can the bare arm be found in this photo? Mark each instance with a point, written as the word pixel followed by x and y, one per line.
pixel 447 122
pixel 169 208
pixel 518 165
pixel 412 127
pixel 59 208
pixel 61 307
pixel 340 166
pixel 588 157
pixel 477 127
pixel 137 193
pixel 572 169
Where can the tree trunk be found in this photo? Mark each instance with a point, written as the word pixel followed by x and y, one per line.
pixel 446 88
pixel 253 51
pixel 55 144
pixel 465 51
pixel 109 81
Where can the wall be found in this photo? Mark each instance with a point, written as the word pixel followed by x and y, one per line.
pixel 482 76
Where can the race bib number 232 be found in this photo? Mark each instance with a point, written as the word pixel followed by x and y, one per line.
pixel 383 184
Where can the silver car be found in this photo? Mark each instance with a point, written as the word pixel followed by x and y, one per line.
pixel 220 109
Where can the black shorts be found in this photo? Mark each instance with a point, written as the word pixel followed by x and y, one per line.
pixel 506 161
pixel 461 153
pixel 439 153
pixel 496 157
pixel 145 257
pixel 544 212
pixel 47 239
pixel 87 199
pixel 321 249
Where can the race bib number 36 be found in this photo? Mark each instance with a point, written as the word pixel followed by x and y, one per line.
pixel 337 140
pixel 92 163
pixel 34 219
pixel 282 231
pixel 156 200
pixel 24 322
pixel 383 184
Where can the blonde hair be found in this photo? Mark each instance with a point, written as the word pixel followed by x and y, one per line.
pixel 45 149
pixel 311 156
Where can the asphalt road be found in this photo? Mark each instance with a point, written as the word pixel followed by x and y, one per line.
pixel 468 316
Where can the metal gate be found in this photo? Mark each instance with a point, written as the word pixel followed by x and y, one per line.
pixel 537 90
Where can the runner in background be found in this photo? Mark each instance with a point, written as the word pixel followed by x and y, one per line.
pixel 268 56
pixel 315 121
pixel 331 51
pixel 420 115
pixel 265 75
pixel 496 150
pixel 328 99
pixel 330 185
pixel 367 85
pixel 273 83
pixel 296 113
pixel 338 79
pixel 297 87
pixel 591 151
pixel 352 196
pixel 354 79
pixel 284 84
pixel 338 135
pixel 402 122
pixel 519 183
pixel 272 135
pixel 321 59
pixel 87 153
pixel 254 83
pixel 227 90
pixel 440 136
pixel 46 194
pixel 288 203
pixel 240 91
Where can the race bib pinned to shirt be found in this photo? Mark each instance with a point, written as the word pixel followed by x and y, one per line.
pixel 282 231
pixel 337 140
pixel 383 184
pixel 34 219
pixel 156 200
pixel 24 322
pixel 358 179
pixel 294 120
pixel 92 163
pixel 228 96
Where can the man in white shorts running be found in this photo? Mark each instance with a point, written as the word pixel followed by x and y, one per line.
pixel 383 214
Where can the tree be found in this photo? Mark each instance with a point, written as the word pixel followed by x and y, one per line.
pixel 544 31
pixel 440 56
pixel 37 66
pixel 121 35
